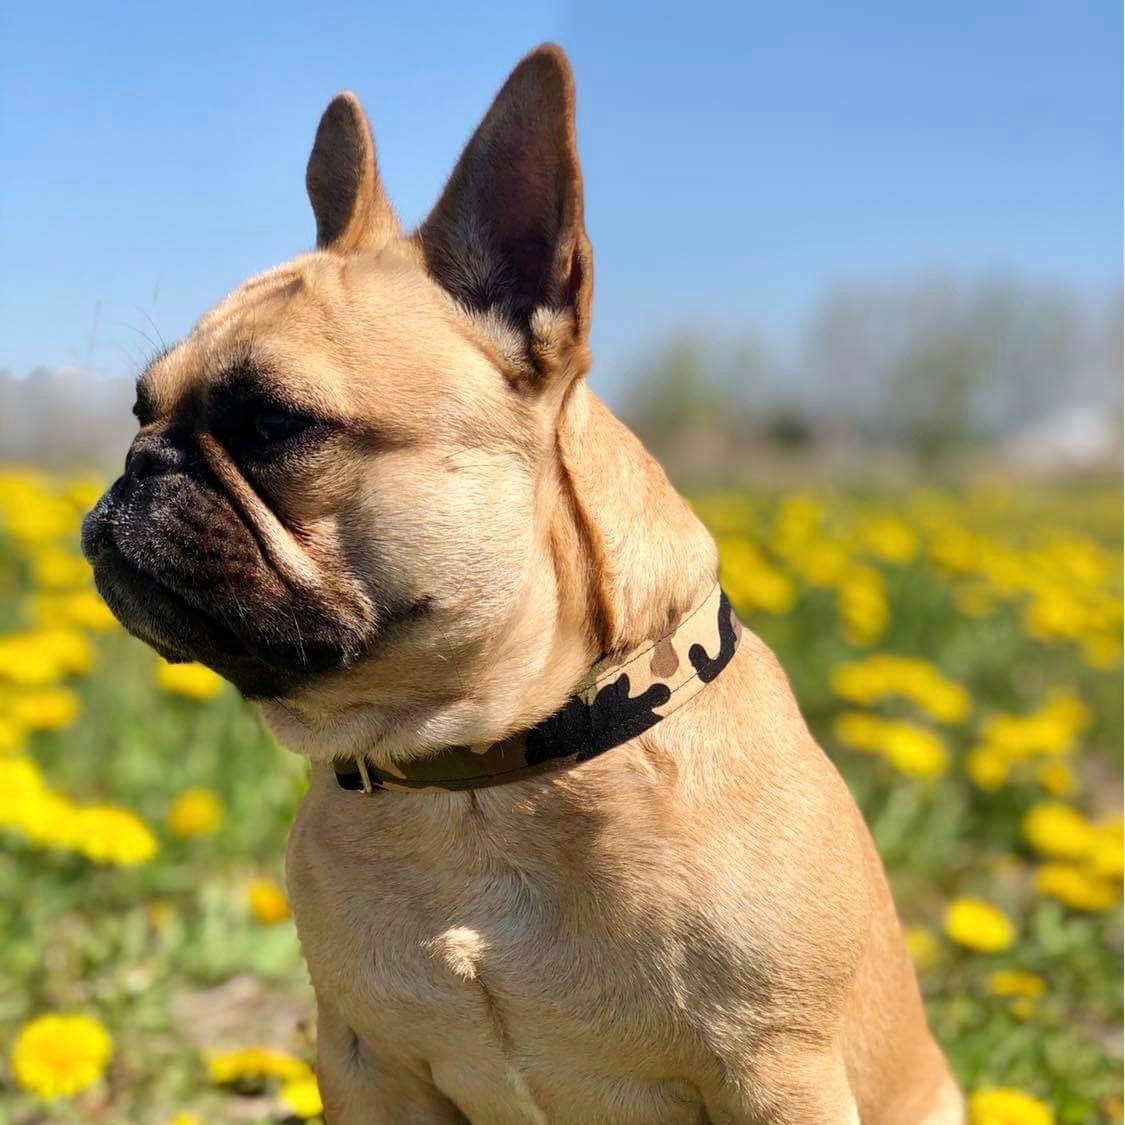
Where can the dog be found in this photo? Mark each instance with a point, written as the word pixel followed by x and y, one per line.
pixel 569 853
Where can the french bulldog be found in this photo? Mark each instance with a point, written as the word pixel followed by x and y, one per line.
pixel 569 853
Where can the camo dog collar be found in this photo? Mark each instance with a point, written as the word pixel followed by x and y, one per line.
pixel 619 701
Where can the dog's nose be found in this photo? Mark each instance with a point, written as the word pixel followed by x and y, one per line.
pixel 159 451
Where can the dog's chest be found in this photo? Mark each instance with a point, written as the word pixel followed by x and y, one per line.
pixel 518 1027
pixel 523 1007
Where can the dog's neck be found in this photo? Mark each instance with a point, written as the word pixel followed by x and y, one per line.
pixel 645 556
pixel 629 558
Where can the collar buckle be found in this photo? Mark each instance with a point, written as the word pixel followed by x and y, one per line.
pixel 361 764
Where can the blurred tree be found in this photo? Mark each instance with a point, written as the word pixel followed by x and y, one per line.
pixel 943 365
pixel 679 388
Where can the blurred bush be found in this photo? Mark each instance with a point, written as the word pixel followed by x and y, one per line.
pixel 931 376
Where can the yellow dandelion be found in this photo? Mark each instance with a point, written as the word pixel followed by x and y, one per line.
pixel 1106 856
pixel 37 516
pixel 1002 1105
pixel 750 581
pixel 954 548
pixel 1054 613
pixel 1101 651
pixel 914 750
pixel 824 563
pixel 1055 829
pixel 88 611
pixel 11 736
pixel 923 947
pixel 891 539
pixel 1066 711
pixel 886 674
pixel 1050 731
pixel 944 700
pixel 184 1119
pixel 49 820
pixel 21 783
pixel 108 834
pixel 46 708
pixel 42 656
pixel 68 646
pixel 26 660
pixel 861 602
pixel 1016 982
pixel 250 1063
pixel 858 730
pixel 987 767
pixel 979 925
pixel 56 569
pixel 267 901
pixel 195 812
pixel 301 1097
pixel 799 515
pixel 57 1055
pixel 82 608
pixel 1076 887
pixel 191 680
pixel 906 746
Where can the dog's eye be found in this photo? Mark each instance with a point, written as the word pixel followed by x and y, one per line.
pixel 276 425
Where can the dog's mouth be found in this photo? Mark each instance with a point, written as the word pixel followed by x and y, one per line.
pixel 157 614
pixel 181 630
pixel 195 604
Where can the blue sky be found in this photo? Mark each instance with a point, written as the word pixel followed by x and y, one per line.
pixel 738 158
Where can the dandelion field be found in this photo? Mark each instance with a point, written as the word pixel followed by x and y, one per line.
pixel 958 654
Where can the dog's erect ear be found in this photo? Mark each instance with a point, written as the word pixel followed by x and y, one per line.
pixel 351 209
pixel 506 236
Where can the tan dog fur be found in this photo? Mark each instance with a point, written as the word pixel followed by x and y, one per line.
pixel 694 927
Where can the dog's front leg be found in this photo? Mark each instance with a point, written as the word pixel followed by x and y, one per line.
pixel 361 1088
pixel 786 1083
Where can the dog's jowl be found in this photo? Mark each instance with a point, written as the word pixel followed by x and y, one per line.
pixel 569 854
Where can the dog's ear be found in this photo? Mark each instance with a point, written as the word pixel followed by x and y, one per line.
pixel 347 197
pixel 506 237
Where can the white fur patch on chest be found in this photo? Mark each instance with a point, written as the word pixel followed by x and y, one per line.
pixel 461 950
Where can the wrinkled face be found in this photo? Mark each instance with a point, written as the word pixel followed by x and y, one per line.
pixel 331 468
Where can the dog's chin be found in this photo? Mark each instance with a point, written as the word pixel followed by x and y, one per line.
pixel 181 631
